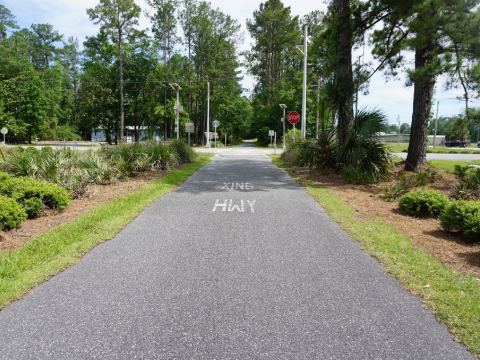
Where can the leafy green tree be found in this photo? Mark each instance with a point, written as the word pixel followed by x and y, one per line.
pixel 7 21
pixel 71 60
pixel 44 50
pixel 164 23
pixel 117 18
pixel 457 129
pixel 275 63
pixel 408 26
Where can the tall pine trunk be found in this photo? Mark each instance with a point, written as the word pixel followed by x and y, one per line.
pixel 422 104
pixel 343 71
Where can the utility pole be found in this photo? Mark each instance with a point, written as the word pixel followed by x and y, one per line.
pixel 208 115
pixel 436 126
pixel 398 131
pixel 318 106
pixel 284 108
pixel 304 97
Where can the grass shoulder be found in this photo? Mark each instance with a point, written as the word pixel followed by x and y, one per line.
pixel 63 246
pixel 449 165
pixel 399 148
pixel 453 297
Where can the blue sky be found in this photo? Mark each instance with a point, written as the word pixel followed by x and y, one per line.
pixel 70 19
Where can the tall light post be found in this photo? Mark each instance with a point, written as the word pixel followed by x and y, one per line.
pixel 284 108
pixel 208 115
pixel 304 52
pixel 304 94
pixel 177 89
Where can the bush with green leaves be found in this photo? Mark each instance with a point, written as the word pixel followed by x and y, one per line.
pixel 11 214
pixel 33 207
pixel 468 187
pixel 319 153
pixel 76 170
pixel 363 158
pixel 420 203
pixel 183 152
pixel 405 182
pixel 22 189
pixel 462 216
pixel 396 189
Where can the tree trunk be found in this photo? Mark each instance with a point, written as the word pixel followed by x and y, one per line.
pixel 122 85
pixel 343 71
pixel 422 104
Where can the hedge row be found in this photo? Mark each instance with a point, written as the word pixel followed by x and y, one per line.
pixel 458 216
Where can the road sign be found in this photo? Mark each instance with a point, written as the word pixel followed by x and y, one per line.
pixel 189 128
pixel 4 131
pixel 178 107
pixel 213 135
pixel 293 117
pixel 216 124
pixel 271 133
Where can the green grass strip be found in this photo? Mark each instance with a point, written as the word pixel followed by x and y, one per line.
pixel 63 246
pixel 454 298
pixel 449 165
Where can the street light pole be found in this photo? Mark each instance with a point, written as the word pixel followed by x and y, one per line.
pixel 284 108
pixel 177 88
pixel 304 97
pixel 208 115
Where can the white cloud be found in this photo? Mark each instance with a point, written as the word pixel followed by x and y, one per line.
pixel 69 18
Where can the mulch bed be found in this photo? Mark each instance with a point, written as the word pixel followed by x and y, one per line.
pixel 96 194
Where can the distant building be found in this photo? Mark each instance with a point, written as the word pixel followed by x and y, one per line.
pixel 144 133
pixel 405 139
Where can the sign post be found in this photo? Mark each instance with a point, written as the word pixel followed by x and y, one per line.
pixel 216 124
pixel 271 133
pixel 189 128
pixel 275 145
pixel 293 118
pixel 4 132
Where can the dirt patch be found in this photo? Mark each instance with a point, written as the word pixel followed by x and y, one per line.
pixel 449 248
pixel 97 194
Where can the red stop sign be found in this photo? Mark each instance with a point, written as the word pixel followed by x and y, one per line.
pixel 293 117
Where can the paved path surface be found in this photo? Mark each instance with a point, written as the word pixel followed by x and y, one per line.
pixel 266 275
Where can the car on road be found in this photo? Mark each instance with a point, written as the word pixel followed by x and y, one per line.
pixel 457 143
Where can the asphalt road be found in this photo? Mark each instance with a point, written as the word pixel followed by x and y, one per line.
pixel 435 156
pixel 239 263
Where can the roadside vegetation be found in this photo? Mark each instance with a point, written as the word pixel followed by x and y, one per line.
pixel 454 297
pixel 54 87
pixel 46 179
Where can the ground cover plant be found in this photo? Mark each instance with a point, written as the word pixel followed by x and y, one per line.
pixel 361 158
pixel 47 178
pixel 462 216
pixel 427 202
